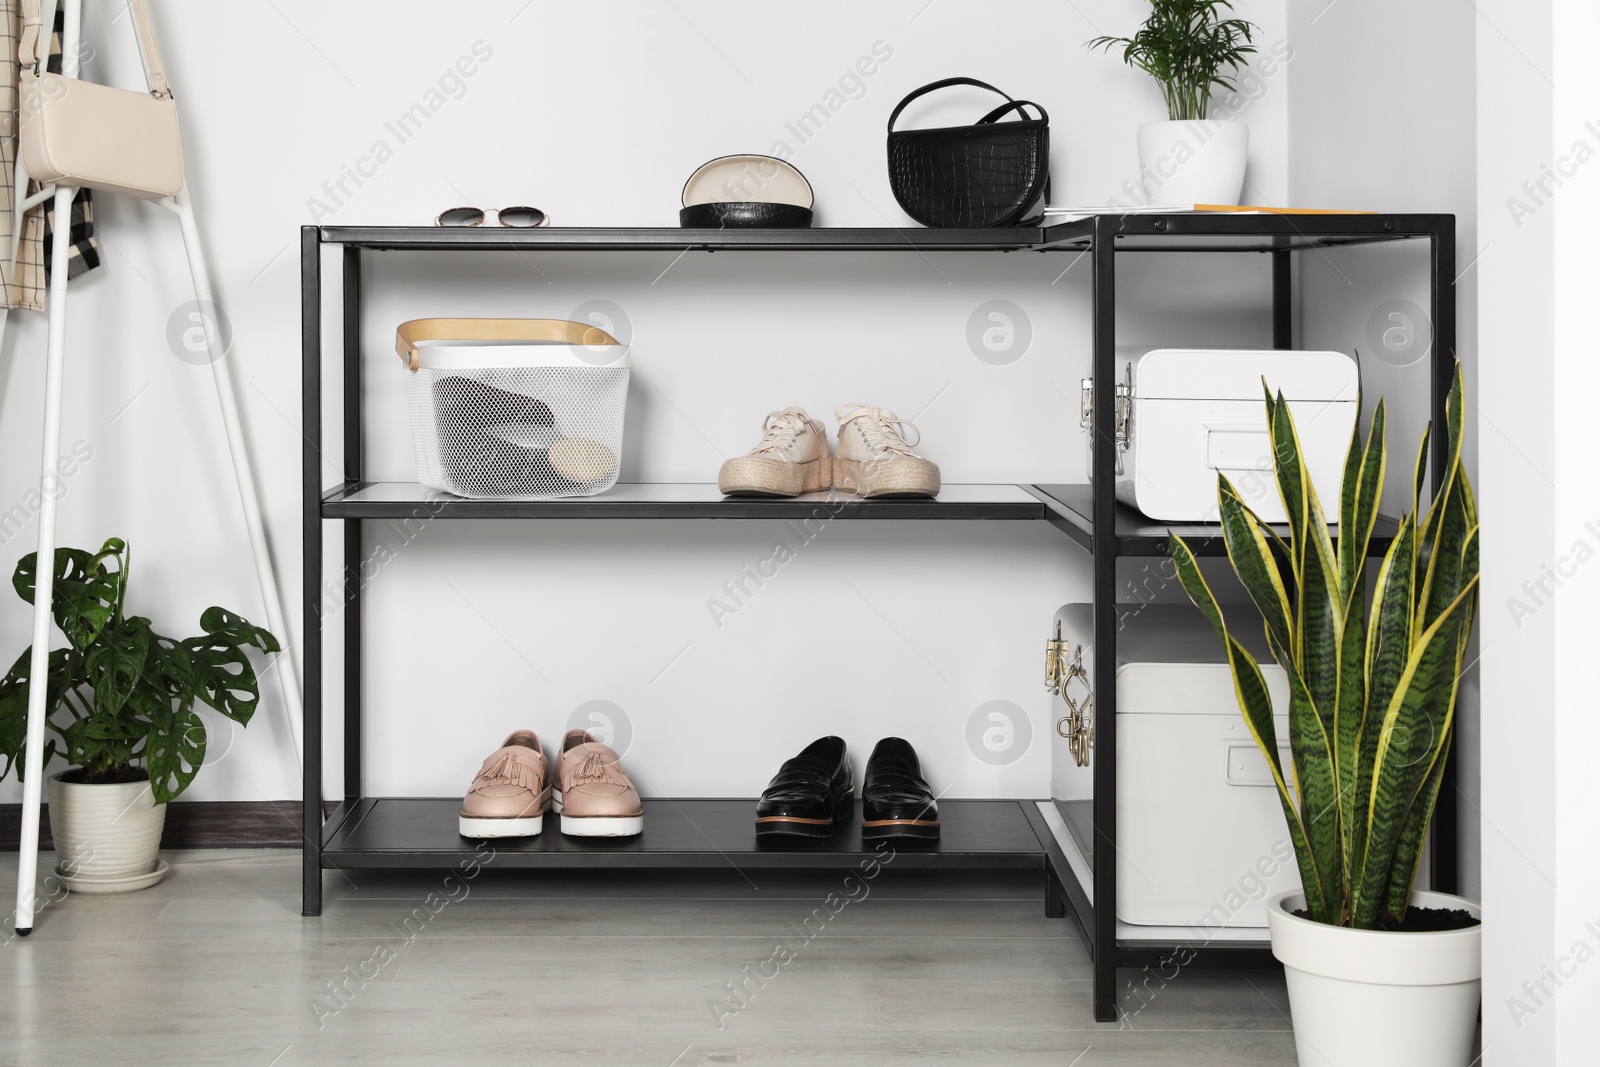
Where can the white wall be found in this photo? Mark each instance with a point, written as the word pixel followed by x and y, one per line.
pixel 598 113
pixel 1576 214
pixel 1517 427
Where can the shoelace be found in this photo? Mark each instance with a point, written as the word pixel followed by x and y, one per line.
pixel 883 429
pixel 780 430
pixel 509 767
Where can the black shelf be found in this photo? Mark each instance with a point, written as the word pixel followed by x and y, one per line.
pixel 664 500
pixel 698 833
pixel 1071 507
pixel 1175 232
pixel 368 832
pixel 1204 231
pixel 668 238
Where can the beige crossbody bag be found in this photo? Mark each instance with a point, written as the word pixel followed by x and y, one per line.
pixel 78 133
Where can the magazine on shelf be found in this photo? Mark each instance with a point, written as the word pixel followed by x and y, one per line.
pixel 1061 214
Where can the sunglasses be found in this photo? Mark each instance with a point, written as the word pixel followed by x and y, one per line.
pixel 521 217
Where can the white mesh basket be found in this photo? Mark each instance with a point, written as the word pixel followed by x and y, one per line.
pixel 514 407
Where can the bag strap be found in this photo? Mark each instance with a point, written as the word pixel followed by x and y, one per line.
pixel 145 27
pixel 1016 105
pixel 33 49
pixel 947 82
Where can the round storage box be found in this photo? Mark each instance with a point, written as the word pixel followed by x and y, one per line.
pixel 514 407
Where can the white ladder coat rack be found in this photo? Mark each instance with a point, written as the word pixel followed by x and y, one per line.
pixel 59 253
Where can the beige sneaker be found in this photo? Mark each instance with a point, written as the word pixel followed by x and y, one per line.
pixel 791 459
pixel 593 795
pixel 873 457
pixel 511 793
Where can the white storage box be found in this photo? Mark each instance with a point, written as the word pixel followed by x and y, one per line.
pixel 514 407
pixel 1187 413
pixel 1201 838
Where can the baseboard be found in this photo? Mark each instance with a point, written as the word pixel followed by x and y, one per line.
pixel 198 824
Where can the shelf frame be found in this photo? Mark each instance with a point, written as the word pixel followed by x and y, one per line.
pixel 1091 520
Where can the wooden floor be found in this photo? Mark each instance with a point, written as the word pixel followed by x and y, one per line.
pixel 216 966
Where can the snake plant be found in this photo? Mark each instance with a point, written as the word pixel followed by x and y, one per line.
pixel 1372 683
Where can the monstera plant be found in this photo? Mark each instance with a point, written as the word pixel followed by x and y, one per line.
pixel 1372 697
pixel 121 699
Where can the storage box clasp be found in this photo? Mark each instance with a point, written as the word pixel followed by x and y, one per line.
pixel 1122 414
pixel 1077 726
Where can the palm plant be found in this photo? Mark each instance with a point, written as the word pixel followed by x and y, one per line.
pixel 1189 49
pixel 1372 692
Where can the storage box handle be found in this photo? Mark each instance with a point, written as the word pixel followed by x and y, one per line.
pixel 408 334
pixel 1242 761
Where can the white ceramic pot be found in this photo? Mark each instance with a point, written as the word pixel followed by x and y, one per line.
pixel 1193 162
pixel 105 835
pixel 1367 998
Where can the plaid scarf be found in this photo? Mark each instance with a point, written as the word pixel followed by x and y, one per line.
pixel 29 278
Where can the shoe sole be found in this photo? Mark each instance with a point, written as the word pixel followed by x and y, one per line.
pixel 903 476
pixel 918 829
pixel 844 807
pixel 599 825
pixel 515 826
pixel 762 476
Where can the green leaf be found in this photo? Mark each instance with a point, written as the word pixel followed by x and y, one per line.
pixel 1415 724
pixel 1255 702
pixel 224 625
pixel 1317 784
pixel 1250 552
pixel 176 750
pixel 1408 850
pixel 168 666
pixel 85 594
pixel 116 661
pixel 14 704
pixel 1388 648
pixel 1288 473
pixel 1365 470
pixel 1421 476
pixel 224 679
pixel 1450 521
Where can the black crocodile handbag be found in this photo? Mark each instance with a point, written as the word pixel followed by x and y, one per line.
pixel 991 173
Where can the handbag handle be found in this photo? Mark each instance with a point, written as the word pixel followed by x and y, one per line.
pixel 1017 105
pixel 34 44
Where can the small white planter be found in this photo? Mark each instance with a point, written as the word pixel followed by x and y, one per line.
pixel 1193 162
pixel 106 836
pixel 1368 998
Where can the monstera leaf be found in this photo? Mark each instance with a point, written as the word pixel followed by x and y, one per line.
pixel 224 678
pixel 86 593
pixel 177 747
pixel 14 705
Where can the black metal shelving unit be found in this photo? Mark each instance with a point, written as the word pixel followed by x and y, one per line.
pixel 370 832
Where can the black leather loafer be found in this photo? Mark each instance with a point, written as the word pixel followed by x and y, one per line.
pixel 811 794
pixel 895 801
